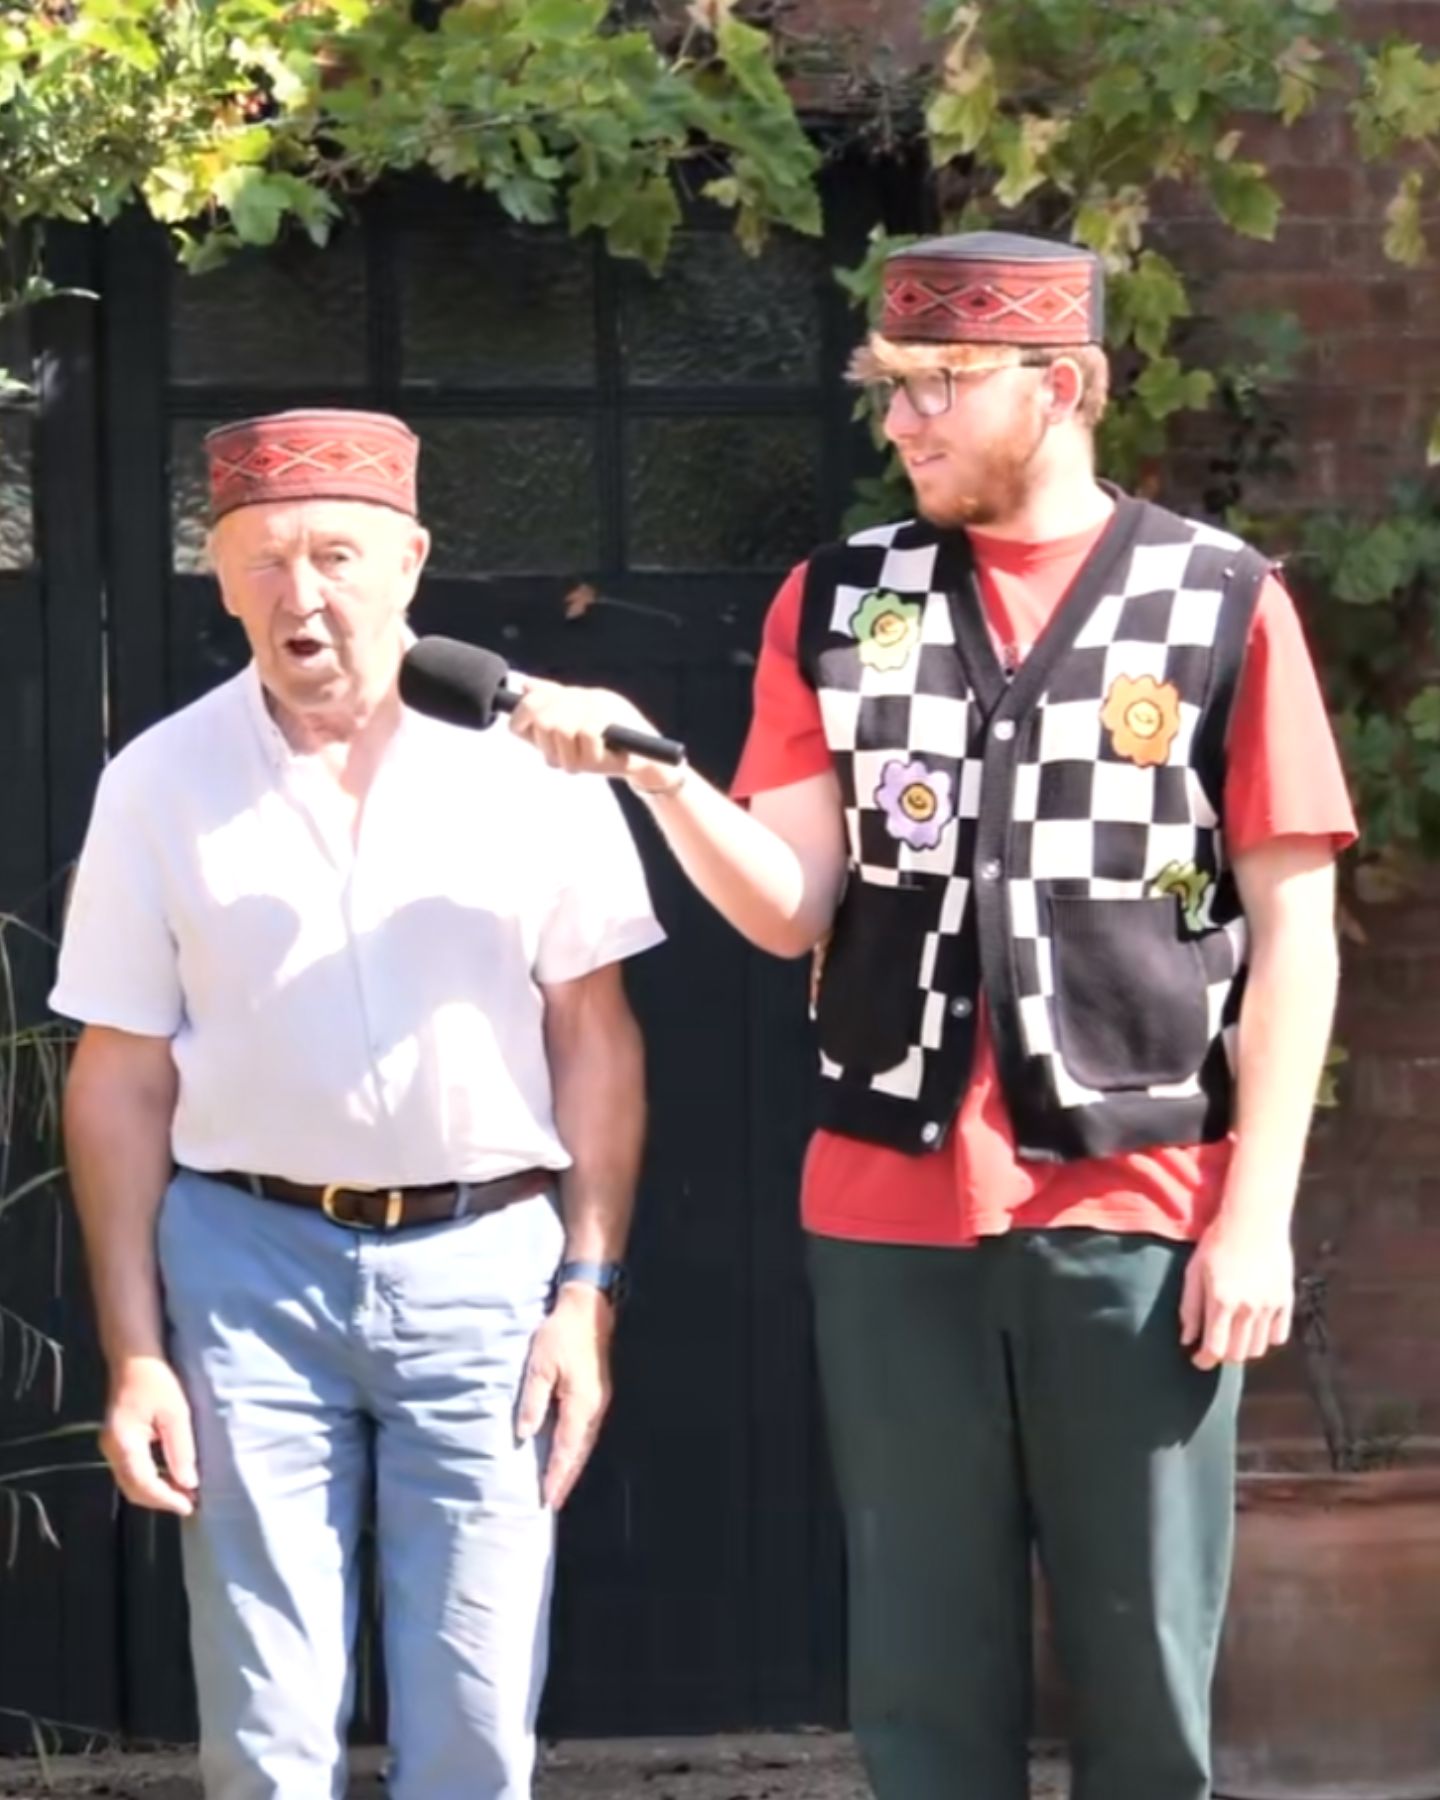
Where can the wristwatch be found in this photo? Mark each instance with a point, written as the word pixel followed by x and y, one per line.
pixel 612 1278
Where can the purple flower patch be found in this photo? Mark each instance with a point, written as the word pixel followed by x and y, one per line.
pixel 916 802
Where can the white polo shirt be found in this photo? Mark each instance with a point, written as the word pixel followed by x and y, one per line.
pixel 366 1012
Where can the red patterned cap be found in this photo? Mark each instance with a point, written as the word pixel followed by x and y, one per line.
pixel 328 453
pixel 994 287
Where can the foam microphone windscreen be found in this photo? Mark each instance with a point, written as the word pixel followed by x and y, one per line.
pixel 453 682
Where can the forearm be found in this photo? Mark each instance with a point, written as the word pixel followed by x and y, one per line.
pixel 747 872
pixel 119 1166
pixel 599 1089
pixel 1285 1026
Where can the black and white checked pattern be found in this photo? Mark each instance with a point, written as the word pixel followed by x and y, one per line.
pixel 875 718
pixel 1086 821
pixel 1082 819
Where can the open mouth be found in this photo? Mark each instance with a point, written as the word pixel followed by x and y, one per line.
pixel 305 648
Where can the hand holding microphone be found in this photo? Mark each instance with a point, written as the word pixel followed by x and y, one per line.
pixel 581 730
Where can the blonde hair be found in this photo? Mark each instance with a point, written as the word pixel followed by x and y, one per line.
pixel 879 358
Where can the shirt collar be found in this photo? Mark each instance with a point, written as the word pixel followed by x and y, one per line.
pixel 271 738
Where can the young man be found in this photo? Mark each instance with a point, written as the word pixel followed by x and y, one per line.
pixel 1046 776
pixel 353 1128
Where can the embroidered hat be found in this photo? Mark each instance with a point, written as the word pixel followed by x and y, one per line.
pixel 994 288
pixel 328 453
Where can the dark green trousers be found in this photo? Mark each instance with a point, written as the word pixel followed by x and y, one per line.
pixel 1028 1393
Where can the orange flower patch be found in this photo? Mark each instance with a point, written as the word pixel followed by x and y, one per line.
pixel 1142 716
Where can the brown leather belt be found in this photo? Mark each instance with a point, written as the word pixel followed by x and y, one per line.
pixel 392 1209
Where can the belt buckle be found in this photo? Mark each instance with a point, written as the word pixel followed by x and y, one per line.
pixel 394 1206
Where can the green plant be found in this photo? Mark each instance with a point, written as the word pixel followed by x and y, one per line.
pixel 1355 1440
pixel 1374 592
pixel 231 119
pixel 32 1362
pixel 1072 117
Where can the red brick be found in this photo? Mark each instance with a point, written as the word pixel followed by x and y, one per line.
pixel 1339 1149
pixel 1206 250
pixel 1395 1087
pixel 1268 1417
pixel 1321 303
pixel 871 23
pixel 1396 360
pixel 1319 191
pixel 1393 417
pixel 1326 413
pixel 1360 248
pixel 1319 137
pixel 1415 19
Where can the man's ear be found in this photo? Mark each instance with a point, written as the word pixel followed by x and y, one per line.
pixel 1066 384
pixel 212 560
pixel 414 554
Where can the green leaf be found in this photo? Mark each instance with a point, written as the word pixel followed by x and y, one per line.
pixel 1432 448
pixel 1373 565
pixel 200 254
pixel 255 201
pixel 1245 199
pixel 1299 67
pixel 1164 388
pixel 957 123
pixel 563 21
pixel 525 198
pixel 748 54
pixel 644 224
pixel 1112 224
pixel 118 37
pixel 1422 715
pixel 1118 94
pixel 1021 151
pixel 1146 302
pixel 1404 226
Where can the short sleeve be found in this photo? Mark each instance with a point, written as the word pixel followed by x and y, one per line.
pixel 118 960
pixel 1283 772
pixel 600 910
pixel 786 741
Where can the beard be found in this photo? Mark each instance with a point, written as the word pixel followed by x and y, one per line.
pixel 1002 488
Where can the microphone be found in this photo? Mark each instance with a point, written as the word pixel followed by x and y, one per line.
pixel 460 684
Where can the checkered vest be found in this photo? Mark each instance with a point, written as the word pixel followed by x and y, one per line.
pixel 1052 839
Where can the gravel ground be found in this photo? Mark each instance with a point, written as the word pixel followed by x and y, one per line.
pixel 800 1766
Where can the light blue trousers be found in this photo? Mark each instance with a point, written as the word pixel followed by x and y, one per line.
pixel 319 1360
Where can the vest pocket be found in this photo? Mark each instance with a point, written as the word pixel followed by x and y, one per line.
pixel 867 1011
pixel 1131 1009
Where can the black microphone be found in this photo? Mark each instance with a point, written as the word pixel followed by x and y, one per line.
pixel 460 684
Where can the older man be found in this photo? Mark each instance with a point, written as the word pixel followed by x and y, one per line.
pixel 353 1128
pixel 1046 774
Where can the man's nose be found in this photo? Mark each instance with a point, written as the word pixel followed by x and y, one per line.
pixel 300 588
pixel 901 419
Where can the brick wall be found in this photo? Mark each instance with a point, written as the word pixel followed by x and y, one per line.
pixel 1369 384
pixel 1372 1186
pixel 1368 388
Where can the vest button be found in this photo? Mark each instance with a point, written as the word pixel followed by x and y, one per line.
pixel 989 871
pixel 1005 730
pixel 960 1008
pixel 930 1133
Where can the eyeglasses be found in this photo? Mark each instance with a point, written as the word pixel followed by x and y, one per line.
pixel 931 392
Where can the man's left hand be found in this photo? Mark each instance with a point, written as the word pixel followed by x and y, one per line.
pixel 569 1369
pixel 1239 1294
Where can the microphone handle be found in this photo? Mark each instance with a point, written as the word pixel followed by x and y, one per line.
pixel 642 743
pixel 616 737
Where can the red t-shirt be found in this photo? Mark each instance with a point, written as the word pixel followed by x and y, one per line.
pixel 1283 780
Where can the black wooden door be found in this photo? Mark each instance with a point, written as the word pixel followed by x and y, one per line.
pixel 667 448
